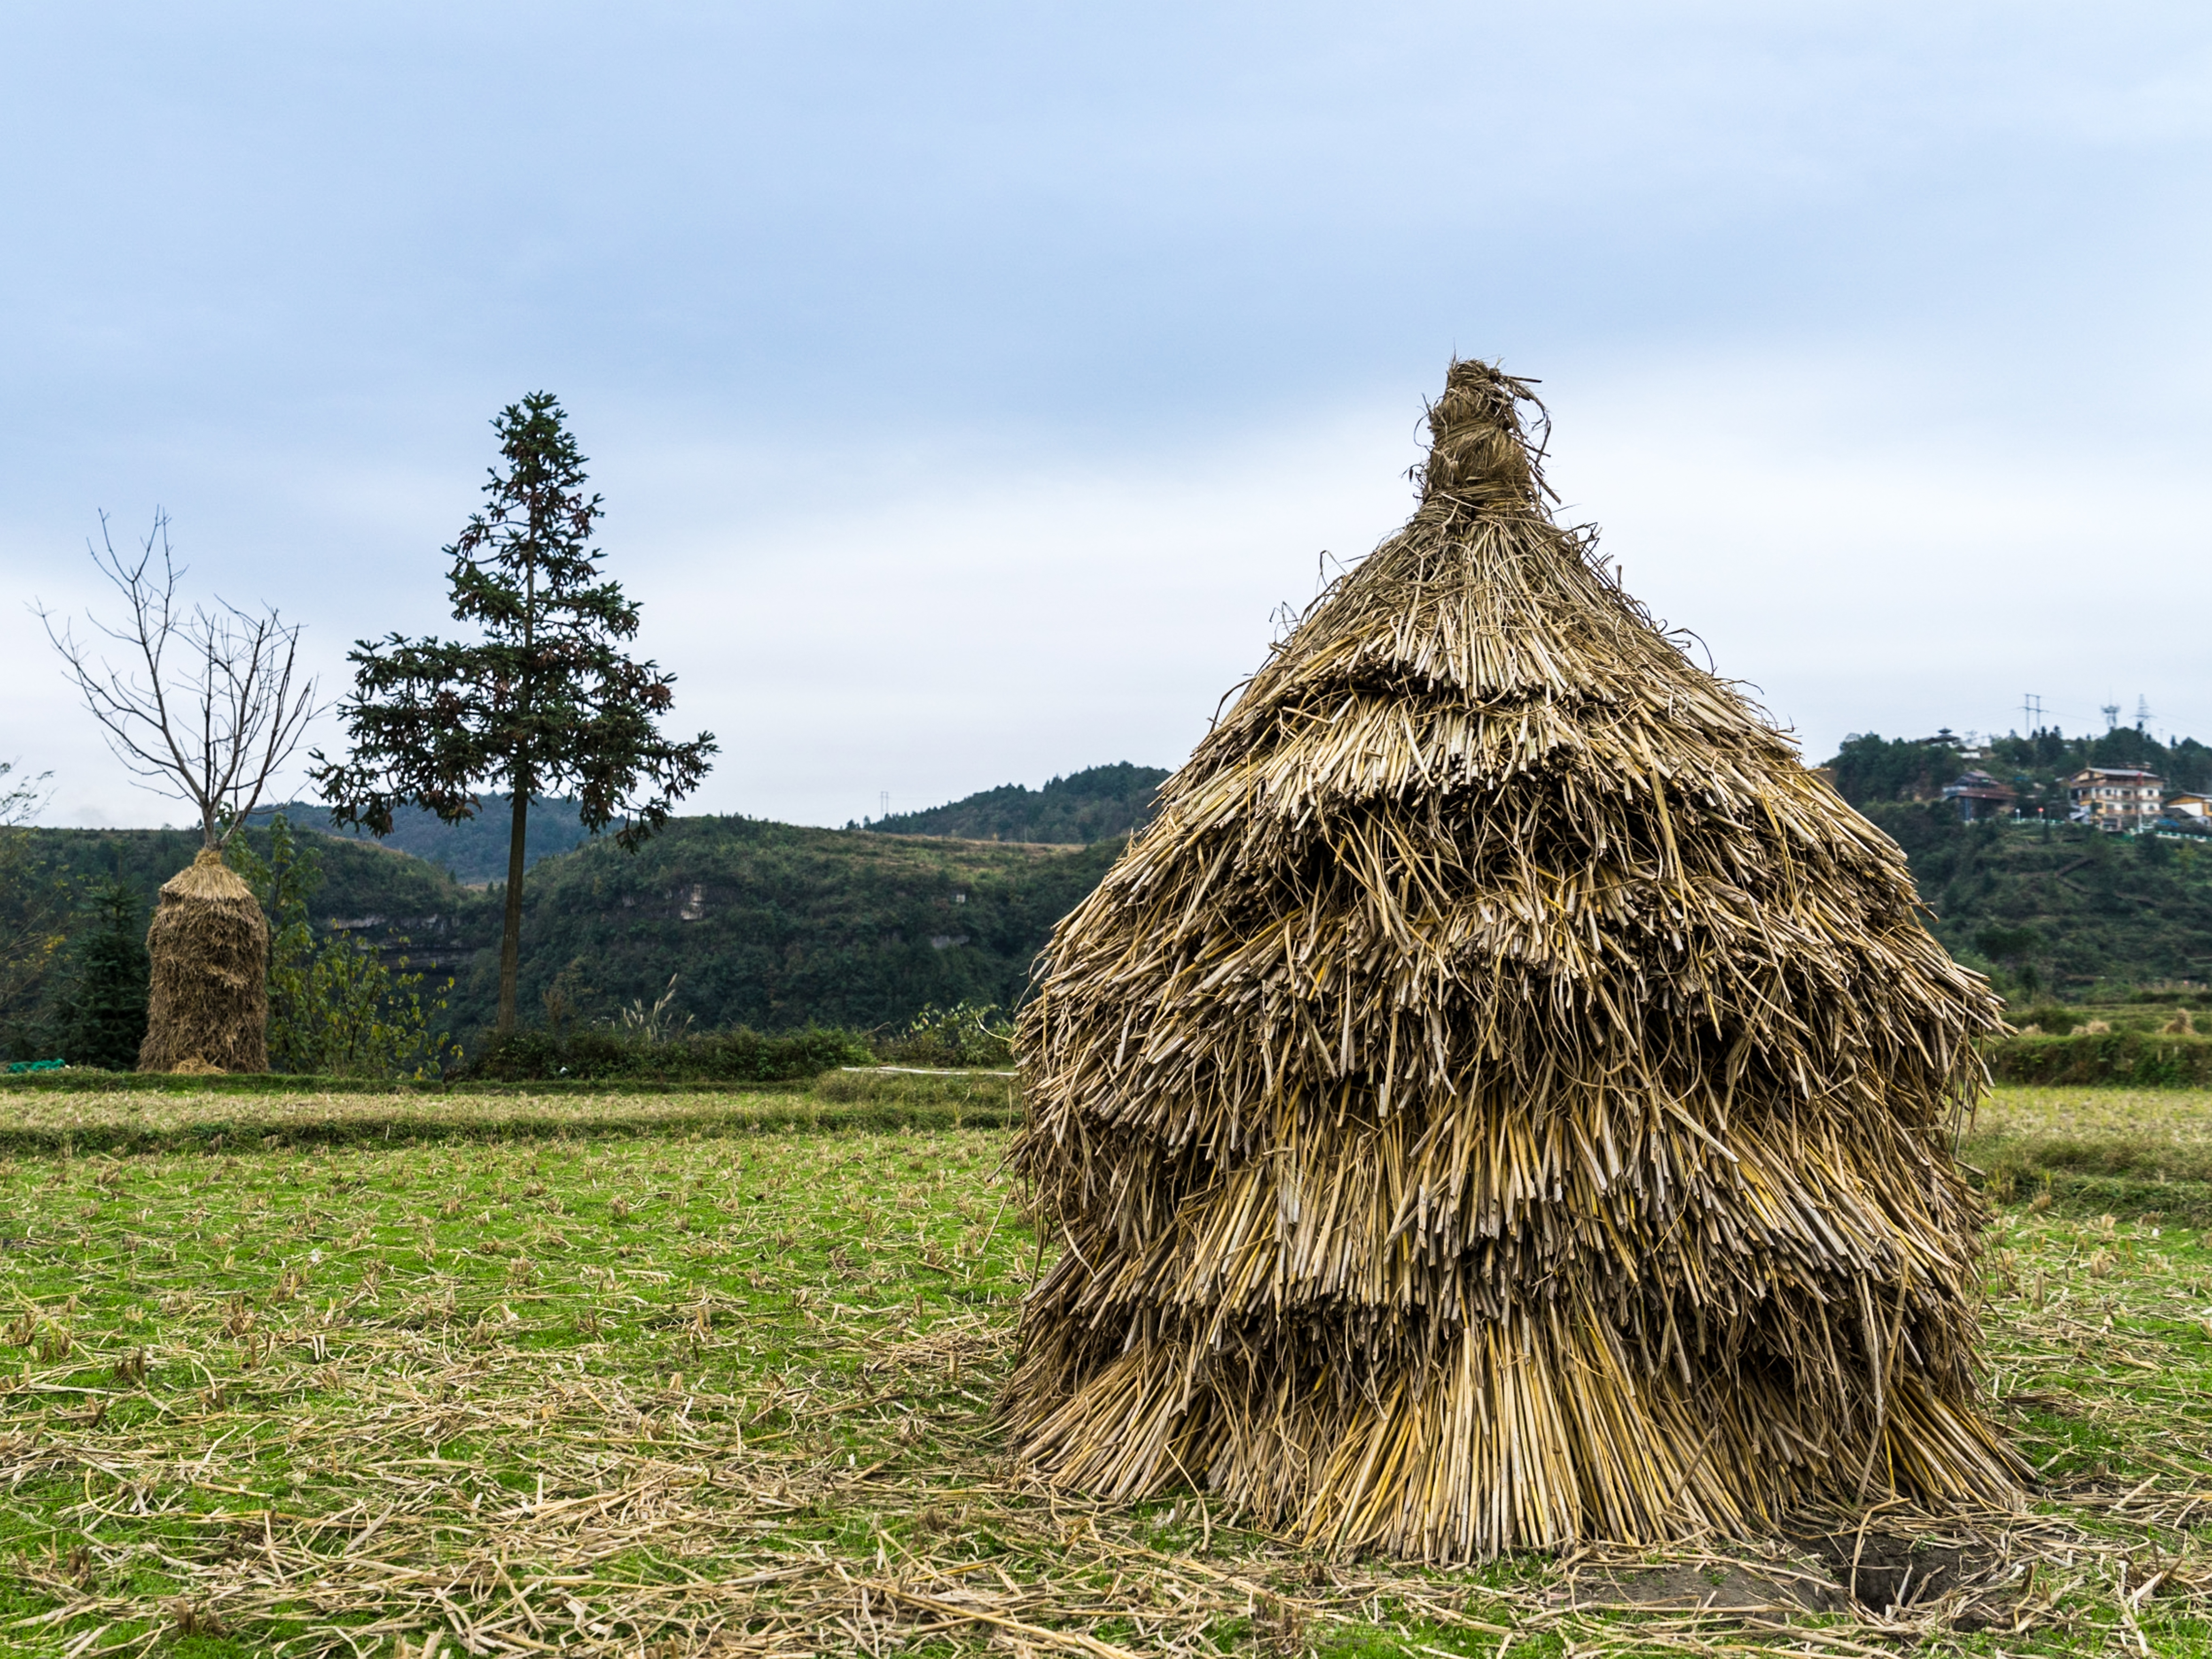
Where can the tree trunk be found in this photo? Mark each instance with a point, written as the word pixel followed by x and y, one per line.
pixel 510 936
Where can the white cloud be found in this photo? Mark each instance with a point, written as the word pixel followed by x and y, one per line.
pixel 968 387
pixel 1870 568
pixel 983 627
pixel 953 616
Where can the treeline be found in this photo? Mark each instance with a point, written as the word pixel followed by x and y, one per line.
pixel 776 927
pixel 351 991
pixel 474 850
pixel 1083 807
pixel 725 934
pixel 719 924
pixel 1870 769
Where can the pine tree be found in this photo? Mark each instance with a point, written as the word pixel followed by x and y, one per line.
pixel 543 702
pixel 105 1017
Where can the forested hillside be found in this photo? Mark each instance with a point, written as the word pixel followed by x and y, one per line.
pixel 773 926
pixel 402 904
pixel 2058 907
pixel 475 849
pixel 765 925
pixel 1076 810
pixel 360 879
pixel 776 927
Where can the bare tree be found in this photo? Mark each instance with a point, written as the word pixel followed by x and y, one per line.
pixel 21 802
pixel 33 923
pixel 208 710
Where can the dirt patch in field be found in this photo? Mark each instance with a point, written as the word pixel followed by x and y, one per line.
pixel 1714 1587
pixel 1889 1573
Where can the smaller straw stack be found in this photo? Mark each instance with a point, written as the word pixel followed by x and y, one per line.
pixel 209 1006
pixel 1502 1098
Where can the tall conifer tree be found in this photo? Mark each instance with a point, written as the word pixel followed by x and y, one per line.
pixel 543 702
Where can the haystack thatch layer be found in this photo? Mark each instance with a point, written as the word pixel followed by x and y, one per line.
pixel 210 942
pixel 1501 1100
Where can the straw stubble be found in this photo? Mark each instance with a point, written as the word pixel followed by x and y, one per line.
pixel 1502 1098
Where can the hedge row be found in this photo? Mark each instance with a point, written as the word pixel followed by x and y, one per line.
pixel 596 1055
pixel 2145 1060
pixel 90 1080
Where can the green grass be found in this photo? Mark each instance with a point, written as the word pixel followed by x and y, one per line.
pixel 572 1379
pixel 2088 1151
pixel 48 1118
pixel 582 1347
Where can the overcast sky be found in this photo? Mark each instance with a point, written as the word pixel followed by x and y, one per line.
pixel 969 385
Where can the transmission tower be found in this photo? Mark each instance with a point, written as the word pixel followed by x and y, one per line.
pixel 2111 714
pixel 2030 713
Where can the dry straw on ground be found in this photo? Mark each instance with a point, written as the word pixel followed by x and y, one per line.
pixel 1501 1101
pixel 209 1009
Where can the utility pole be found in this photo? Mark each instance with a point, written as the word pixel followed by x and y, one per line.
pixel 2031 713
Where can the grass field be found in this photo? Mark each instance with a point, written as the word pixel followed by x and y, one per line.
pixel 2179 1118
pixel 721 1382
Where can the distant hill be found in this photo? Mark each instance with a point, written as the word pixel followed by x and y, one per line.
pixel 2043 905
pixel 767 925
pixel 776 925
pixel 378 894
pixel 1076 810
pixel 475 849
pixel 359 878
pixel 2057 907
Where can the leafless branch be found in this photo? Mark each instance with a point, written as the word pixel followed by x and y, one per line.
pixel 208 710
pixel 22 801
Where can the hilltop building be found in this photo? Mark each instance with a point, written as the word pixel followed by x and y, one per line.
pixel 1979 795
pixel 2116 798
pixel 1974 749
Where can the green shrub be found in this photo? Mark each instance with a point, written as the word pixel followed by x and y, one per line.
pixel 598 1053
pixel 335 1008
pixel 966 1034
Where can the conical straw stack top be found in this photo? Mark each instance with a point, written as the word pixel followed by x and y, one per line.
pixel 207 878
pixel 1479 450
pixel 1481 641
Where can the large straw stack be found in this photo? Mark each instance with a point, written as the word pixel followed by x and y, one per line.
pixel 1501 1100
pixel 208 1007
